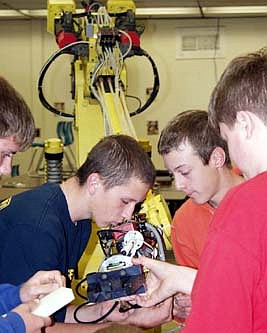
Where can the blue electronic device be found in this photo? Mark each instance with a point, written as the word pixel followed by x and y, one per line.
pixel 103 286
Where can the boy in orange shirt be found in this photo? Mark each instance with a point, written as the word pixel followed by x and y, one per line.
pixel 198 158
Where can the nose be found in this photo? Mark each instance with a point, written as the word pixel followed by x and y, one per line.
pixel 179 183
pixel 6 166
pixel 128 211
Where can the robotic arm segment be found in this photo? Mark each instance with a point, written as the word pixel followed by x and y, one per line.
pixel 55 9
pixel 100 40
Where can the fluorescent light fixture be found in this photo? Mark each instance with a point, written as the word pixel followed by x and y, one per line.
pixel 235 11
pixel 160 12
pixel 23 13
pixel 167 12
pixel 183 12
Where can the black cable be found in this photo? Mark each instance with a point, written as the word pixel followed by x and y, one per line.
pixel 94 321
pixel 42 98
pixel 126 306
pixel 140 52
pixel 69 49
pixel 200 9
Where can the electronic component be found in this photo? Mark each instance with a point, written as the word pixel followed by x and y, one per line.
pixel 103 286
pixel 134 237
pixel 117 276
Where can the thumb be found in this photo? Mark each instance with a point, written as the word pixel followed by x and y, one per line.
pixel 147 301
pixel 32 305
pixel 145 261
pixel 161 269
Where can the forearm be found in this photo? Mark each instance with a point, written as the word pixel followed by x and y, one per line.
pixel 73 328
pixel 148 321
pixel 185 279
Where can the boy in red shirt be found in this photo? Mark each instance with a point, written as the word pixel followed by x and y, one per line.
pixel 230 290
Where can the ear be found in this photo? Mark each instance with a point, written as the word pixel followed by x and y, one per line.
pixel 217 158
pixel 246 122
pixel 93 182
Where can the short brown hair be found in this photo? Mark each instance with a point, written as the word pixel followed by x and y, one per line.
pixel 16 119
pixel 192 125
pixel 117 158
pixel 242 87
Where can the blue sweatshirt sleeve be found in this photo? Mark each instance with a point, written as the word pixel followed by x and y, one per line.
pixel 9 297
pixel 12 323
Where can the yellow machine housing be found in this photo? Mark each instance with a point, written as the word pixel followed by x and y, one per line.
pixel 55 9
pixel 119 6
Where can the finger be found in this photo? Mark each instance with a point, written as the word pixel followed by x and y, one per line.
pixel 43 289
pixel 50 276
pixel 63 281
pixel 182 300
pixel 145 261
pixel 161 269
pixel 32 305
pixel 47 321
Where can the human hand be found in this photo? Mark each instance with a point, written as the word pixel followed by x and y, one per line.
pixel 115 315
pixel 151 317
pixel 32 322
pixel 181 305
pixel 164 280
pixel 40 284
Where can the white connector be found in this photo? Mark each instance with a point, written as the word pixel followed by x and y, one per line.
pixel 53 302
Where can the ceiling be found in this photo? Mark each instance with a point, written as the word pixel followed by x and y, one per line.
pixel 42 4
pixel 194 8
